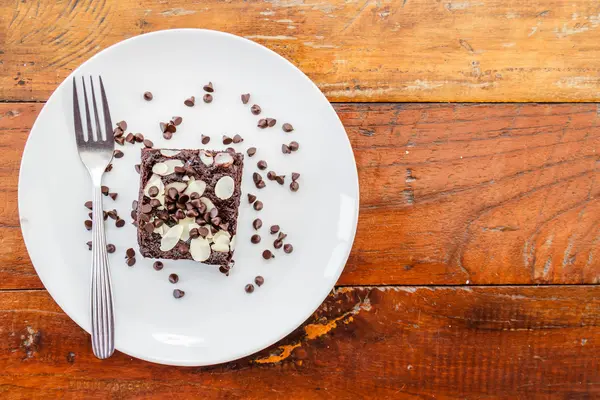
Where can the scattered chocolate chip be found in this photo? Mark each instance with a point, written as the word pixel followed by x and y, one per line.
pixel 118 132
pixel 207 98
pixel 271 175
pixel 113 195
pixel 130 253
pixel 120 140
pixel 259 280
pixel 262 123
pixel 194 233
pixel 271 122
pixel 108 168
pixel 130 138
pixel 120 223
pixel 257 223
pixel 209 88
pixel 256 177
pixel 294 146
pixel 148 143
pixel 90 215
pixel 262 165
pixel 255 109
pixel 122 125
pixel 139 138
pixel 133 215
pixel 113 214
pixel 190 102
pixel 173 278
pixel 88 224
pixel 281 236
pixel 203 231
pixel 227 140
pixel 255 239
pixel 167 135
pixel 277 243
pixel 274 229
pixel 137 168
pixel 110 248
pixel 245 98
pixel 267 254
pixel 288 248
pixel 148 96
pixel 105 215
pixel 177 121
pixel 130 262
pixel 295 176
pixel 249 288
pixel 237 139
pixel 153 191
pixel 287 127
pixel 158 265
pixel 280 179
pixel 205 139
pixel 261 184
pixel 258 205
pixel 294 186
pixel 285 149
pixel 89 204
pixel 104 190
pixel 163 127
pixel 118 154
pixel 178 293
pixel 134 204
pixel 89 244
pixel 251 151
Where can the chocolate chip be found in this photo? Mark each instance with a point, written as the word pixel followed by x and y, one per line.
pixel 158 265
pixel 130 138
pixel 277 243
pixel 113 214
pixel 209 88
pixel 173 278
pixel 257 223
pixel 288 248
pixel 108 168
pixel 281 236
pixel 134 204
pixel 139 138
pixel 287 127
pixel 104 190
pixel 271 122
pixel 237 139
pixel 147 208
pixel 118 132
pixel 227 140
pixel 90 215
pixel 203 231
pixel 262 165
pixel 88 224
pixel 113 195
pixel 149 227
pixel 172 193
pixel 118 154
pixel 294 146
pixel 105 214
pixel 88 204
pixel 251 198
pixel 177 121
pixel 194 233
pixel 137 168
pixel 258 205
pixel 294 186
pixel 262 123
pixel 255 109
pixel 261 184
pixel 230 150
pixel 251 151
pixel 280 179
pixel 167 135
pixel 256 177
pixel 110 248
pixel 190 102
pixel 179 170
pixel 205 139
pixel 207 98
pixel 163 127
pixel 249 288
pixel 245 98
pixel 130 261
pixel 89 244
pixel 285 149
pixel 274 229
pixel 120 140
pixel 295 176
pixel 148 96
pixel 267 255
pixel 153 191
pixel 259 280
pixel 133 215
pixel 184 198
pixel 255 239
pixel 178 293
pixel 157 222
pixel 130 253
pixel 122 125
pixel 120 223
pixel 148 143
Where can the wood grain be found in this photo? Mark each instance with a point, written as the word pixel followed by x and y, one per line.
pixel 450 194
pixel 402 342
pixel 392 50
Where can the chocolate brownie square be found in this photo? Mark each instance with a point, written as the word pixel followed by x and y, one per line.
pixel 188 204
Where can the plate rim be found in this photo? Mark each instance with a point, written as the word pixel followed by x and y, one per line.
pixel 29 242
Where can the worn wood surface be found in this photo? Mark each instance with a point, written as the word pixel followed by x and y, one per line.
pixel 450 194
pixel 355 50
pixel 401 342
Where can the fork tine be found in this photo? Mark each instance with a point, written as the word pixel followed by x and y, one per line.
pixel 98 130
pixel 77 116
pixel 107 119
pixel 90 134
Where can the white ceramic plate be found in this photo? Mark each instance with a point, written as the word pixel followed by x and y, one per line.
pixel 216 321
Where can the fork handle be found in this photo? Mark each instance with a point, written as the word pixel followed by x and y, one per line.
pixel 103 331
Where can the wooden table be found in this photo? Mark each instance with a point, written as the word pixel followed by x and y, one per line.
pixel 475 265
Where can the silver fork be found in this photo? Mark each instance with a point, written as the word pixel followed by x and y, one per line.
pixel 96 153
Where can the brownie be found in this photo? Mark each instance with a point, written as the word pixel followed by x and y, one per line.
pixel 188 204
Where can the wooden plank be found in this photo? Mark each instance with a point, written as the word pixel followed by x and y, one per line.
pixel 401 342
pixel 393 50
pixel 453 193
